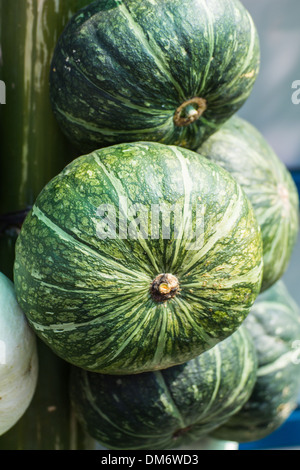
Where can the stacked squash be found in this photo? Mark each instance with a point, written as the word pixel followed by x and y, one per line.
pixel 142 262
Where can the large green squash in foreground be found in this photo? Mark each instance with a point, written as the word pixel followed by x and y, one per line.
pixel 242 150
pixel 169 71
pixel 138 257
pixel 274 324
pixel 168 408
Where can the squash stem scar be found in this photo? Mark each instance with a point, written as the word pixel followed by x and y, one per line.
pixel 164 287
pixel 189 111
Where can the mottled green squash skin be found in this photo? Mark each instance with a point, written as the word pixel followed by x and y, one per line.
pixel 243 151
pixel 274 324
pixel 122 69
pixel 168 408
pixel 90 293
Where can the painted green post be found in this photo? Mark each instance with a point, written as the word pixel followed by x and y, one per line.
pixel 32 151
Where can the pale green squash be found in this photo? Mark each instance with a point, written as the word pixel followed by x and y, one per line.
pixel 18 358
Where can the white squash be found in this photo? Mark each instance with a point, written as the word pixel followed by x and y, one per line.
pixel 18 358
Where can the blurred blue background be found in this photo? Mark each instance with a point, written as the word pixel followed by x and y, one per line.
pixel 270 105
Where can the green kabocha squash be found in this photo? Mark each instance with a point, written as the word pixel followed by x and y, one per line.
pixel 168 408
pixel 274 324
pixel 168 71
pixel 18 358
pixel 243 151
pixel 137 257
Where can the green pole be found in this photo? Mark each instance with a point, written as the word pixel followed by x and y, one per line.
pixel 32 151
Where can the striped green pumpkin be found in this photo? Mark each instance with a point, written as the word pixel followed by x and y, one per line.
pixel 242 150
pixel 169 71
pixel 169 408
pixel 274 324
pixel 138 257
